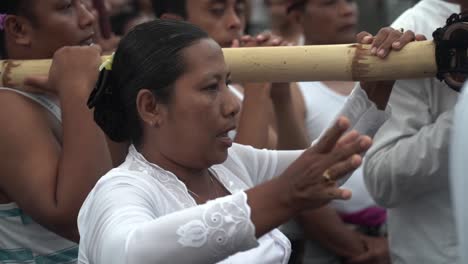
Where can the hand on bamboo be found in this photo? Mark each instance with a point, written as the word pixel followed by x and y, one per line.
pixel 387 39
pixel 310 180
pixel 265 39
pixel 72 68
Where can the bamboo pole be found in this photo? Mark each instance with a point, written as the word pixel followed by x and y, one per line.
pixel 351 62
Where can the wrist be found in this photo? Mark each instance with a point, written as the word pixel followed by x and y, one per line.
pixel 76 89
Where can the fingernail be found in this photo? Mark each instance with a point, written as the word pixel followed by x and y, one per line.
pixel 396 44
pixel 367 38
pixel 373 50
pixel 381 52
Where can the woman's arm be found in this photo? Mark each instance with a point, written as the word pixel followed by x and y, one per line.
pixel 118 223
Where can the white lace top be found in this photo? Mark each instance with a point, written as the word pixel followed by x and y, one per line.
pixel 140 213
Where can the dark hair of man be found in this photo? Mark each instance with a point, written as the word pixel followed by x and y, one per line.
pixel 14 7
pixel 148 57
pixel 296 5
pixel 177 7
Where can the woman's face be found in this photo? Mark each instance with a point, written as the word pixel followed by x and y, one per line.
pixel 330 21
pixel 223 20
pixel 60 23
pixel 201 111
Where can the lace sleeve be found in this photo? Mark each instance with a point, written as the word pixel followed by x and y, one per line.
pixel 119 227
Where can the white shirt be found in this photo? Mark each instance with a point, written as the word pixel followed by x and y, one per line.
pixel 407 168
pixel 322 106
pixel 458 170
pixel 140 213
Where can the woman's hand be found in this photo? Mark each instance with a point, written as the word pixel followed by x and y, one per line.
pixel 386 40
pixel 310 180
pixel 76 67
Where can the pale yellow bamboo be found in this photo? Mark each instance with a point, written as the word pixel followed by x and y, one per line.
pixel 290 64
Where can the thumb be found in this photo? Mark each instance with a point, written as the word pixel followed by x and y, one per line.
pixel 235 43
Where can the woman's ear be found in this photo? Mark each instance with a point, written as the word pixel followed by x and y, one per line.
pixel 18 30
pixel 150 110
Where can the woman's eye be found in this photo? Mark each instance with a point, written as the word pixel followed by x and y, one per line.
pixel 217 11
pixel 213 87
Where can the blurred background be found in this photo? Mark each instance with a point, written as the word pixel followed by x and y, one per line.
pixel 374 14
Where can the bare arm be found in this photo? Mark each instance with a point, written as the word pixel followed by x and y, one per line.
pixel 325 226
pixel 47 180
pixel 288 107
pixel 254 123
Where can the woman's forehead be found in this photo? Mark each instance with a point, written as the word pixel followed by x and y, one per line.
pixel 204 55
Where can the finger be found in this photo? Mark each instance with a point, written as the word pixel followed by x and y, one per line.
pixel 344 152
pixel 260 38
pixel 385 47
pixel 235 44
pixel 38 82
pixel 406 38
pixel 379 39
pixel 348 138
pixel 327 142
pixel 97 48
pixel 246 38
pixel 420 37
pixel 276 41
pixel 364 37
pixel 334 193
pixel 343 168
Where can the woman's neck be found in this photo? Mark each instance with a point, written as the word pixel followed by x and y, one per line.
pixel 195 179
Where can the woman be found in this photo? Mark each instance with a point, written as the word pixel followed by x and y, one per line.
pixel 225 22
pixel 185 193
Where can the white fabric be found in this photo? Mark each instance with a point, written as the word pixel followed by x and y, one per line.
pixel 407 168
pixel 322 106
pixel 458 170
pixel 232 134
pixel 140 213
pixel 40 99
pixel 21 239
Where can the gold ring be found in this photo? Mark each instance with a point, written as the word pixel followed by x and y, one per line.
pixel 327 176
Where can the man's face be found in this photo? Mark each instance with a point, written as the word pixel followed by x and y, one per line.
pixel 329 21
pixel 223 20
pixel 60 23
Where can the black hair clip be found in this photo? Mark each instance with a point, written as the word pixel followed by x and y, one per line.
pixel 100 89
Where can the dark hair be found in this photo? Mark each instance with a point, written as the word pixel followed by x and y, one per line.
pixel 296 5
pixel 177 7
pixel 148 57
pixel 121 20
pixel 14 7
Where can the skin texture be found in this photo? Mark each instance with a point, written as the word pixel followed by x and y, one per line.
pixel 223 20
pixel 329 21
pixel 64 22
pixel 49 168
pixel 281 23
